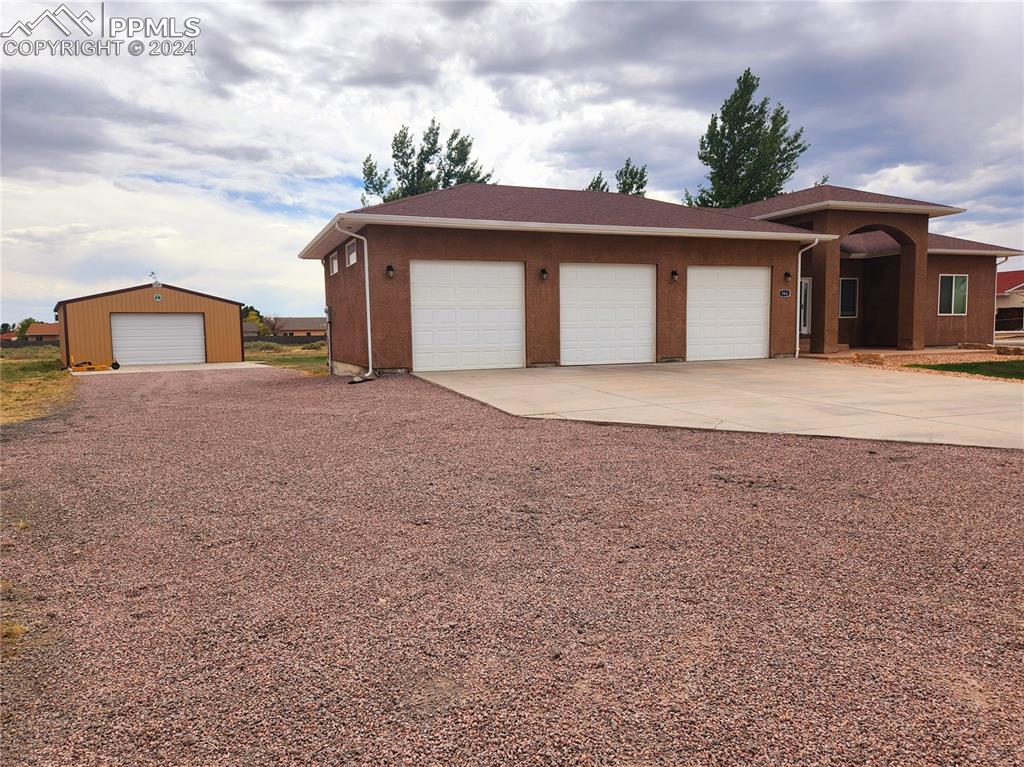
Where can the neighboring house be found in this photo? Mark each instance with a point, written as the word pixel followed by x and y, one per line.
pixel 250 329
pixel 481 275
pixel 301 326
pixel 42 332
pixel 10 336
pixel 1010 300
pixel 149 325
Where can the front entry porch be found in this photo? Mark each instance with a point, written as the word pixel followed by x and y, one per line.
pixel 866 314
pixel 852 295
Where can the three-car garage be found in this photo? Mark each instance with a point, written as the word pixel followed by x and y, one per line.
pixel 488 276
pixel 472 314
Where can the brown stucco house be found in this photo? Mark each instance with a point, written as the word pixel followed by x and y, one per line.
pixel 480 276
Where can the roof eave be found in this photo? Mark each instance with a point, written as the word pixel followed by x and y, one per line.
pixel 965 252
pixel 938 252
pixel 358 220
pixel 932 211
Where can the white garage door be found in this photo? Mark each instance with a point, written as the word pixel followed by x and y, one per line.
pixel 607 313
pixel 158 339
pixel 727 312
pixel 467 315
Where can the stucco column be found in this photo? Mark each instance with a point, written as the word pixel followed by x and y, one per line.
pixel 825 298
pixel 914 305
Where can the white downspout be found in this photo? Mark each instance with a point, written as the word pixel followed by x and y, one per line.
pixel 999 262
pixel 799 290
pixel 325 262
pixel 366 281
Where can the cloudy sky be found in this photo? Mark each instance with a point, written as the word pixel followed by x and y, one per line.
pixel 215 170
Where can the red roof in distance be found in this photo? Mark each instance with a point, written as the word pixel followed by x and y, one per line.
pixel 1007 281
pixel 42 329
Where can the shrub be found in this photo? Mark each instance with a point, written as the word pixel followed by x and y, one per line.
pixel 264 346
pixel 315 345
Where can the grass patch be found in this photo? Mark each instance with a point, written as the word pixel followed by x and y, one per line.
pixel 996 368
pixel 310 361
pixel 11 630
pixel 32 383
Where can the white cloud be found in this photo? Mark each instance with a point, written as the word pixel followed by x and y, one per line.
pixel 215 170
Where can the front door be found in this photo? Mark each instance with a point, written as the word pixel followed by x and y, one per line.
pixel 805 306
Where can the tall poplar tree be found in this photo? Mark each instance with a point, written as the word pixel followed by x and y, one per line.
pixel 748 148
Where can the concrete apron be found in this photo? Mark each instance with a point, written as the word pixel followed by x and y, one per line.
pixel 782 396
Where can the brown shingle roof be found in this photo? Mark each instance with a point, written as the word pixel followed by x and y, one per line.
pixel 42 329
pixel 880 243
pixel 292 324
pixel 493 202
pixel 827 194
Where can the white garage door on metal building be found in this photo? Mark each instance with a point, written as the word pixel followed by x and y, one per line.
pixel 467 314
pixel 158 338
pixel 608 313
pixel 727 312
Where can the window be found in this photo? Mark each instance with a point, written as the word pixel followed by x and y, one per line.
pixel 953 294
pixel 350 254
pixel 334 263
pixel 848 296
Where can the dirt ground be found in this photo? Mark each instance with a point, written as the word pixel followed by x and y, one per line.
pixel 261 567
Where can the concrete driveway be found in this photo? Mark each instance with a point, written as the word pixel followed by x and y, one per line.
pixel 794 396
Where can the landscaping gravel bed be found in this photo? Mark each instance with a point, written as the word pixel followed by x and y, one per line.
pixel 263 568
pixel 903 361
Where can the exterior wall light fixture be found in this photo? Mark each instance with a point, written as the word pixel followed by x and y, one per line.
pixel 788 276
pixel 675 276
pixel 390 272
pixel 543 274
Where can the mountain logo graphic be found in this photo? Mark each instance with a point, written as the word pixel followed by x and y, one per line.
pixel 55 16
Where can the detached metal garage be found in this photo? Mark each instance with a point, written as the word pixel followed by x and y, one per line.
pixel 149 325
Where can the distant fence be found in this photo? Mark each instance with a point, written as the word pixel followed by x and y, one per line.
pixel 286 339
pixel 17 343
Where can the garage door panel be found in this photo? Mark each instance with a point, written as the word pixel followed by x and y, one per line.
pixel 152 338
pixel 607 313
pixel 467 314
pixel 727 312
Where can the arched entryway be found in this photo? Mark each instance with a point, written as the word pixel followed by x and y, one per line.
pixel 863 289
pixel 869 285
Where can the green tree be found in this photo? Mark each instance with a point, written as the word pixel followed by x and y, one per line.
pixel 423 168
pixel 597 183
pixel 749 150
pixel 5 327
pixel 631 179
pixel 248 310
pixel 22 329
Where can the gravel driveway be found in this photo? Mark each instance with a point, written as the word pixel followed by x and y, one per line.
pixel 273 569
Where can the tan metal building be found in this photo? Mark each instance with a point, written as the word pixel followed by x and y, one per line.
pixel 149 325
